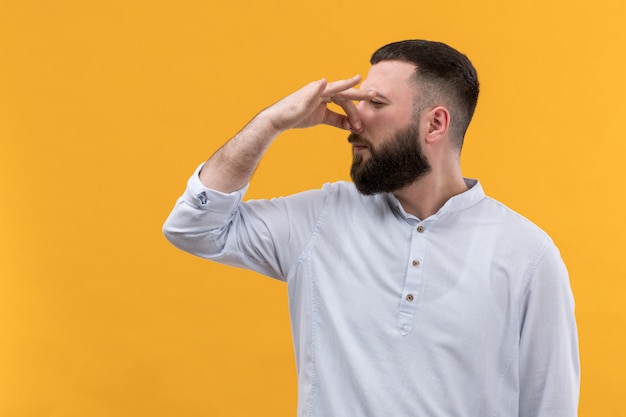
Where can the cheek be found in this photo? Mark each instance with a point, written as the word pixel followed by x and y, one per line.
pixel 390 116
pixel 379 126
pixel 375 119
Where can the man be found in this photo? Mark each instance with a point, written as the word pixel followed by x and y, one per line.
pixel 411 293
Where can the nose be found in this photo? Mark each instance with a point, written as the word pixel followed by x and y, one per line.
pixel 364 113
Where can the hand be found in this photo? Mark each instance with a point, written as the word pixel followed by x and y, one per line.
pixel 308 106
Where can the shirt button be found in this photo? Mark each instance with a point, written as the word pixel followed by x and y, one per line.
pixel 420 229
pixel 410 297
pixel 416 263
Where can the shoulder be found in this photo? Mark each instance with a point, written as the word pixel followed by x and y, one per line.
pixel 344 188
pixel 511 218
pixel 518 235
pixel 345 194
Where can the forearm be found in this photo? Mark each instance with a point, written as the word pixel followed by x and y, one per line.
pixel 232 166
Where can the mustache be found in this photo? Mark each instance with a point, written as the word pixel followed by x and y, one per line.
pixel 358 139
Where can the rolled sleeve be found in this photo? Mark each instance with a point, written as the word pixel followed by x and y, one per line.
pixel 198 196
pixel 200 216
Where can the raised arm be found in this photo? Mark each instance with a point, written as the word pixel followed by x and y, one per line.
pixel 232 166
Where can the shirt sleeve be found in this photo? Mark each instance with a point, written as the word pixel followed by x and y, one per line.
pixel 549 358
pixel 262 235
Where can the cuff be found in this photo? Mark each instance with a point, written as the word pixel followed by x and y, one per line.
pixel 197 195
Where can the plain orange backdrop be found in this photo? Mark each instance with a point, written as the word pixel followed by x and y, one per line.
pixel 107 107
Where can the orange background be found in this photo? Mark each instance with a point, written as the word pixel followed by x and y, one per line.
pixel 107 107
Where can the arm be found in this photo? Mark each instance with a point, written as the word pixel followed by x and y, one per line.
pixel 265 236
pixel 549 359
pixel 211 221
pixel 232 166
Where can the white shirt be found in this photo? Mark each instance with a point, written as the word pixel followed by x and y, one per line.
pixel 466 313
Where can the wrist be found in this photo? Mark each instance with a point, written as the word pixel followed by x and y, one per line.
pixel 269 123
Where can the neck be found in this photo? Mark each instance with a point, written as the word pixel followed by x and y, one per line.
pixel 428 194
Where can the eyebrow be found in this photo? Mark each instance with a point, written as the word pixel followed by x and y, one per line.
pixel 379 95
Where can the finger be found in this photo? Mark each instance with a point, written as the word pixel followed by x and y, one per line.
pixel 315 89
pixel 334 119
pixel 346 100
pixel 353 94
pixel 353 116
pixel 338 86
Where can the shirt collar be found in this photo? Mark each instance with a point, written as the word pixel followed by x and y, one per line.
pixel 456 203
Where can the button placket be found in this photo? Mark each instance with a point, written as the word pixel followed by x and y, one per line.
pixel 413 280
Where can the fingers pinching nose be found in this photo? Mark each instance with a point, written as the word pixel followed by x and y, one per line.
pixel 356 127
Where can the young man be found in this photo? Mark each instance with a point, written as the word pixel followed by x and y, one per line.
pixel 411 293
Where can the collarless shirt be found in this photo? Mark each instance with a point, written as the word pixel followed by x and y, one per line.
pixel 468 312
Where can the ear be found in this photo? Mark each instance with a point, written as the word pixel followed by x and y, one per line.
pixel 438 122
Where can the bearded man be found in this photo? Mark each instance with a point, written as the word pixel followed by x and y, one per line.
pixel 411 292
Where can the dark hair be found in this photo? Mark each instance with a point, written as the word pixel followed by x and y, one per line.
pixel 442 74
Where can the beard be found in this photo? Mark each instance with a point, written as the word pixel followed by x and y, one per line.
pixel 396 163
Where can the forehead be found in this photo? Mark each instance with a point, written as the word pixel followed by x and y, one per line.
pixel 391 79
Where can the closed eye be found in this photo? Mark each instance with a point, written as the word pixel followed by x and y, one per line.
pixel 376 103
